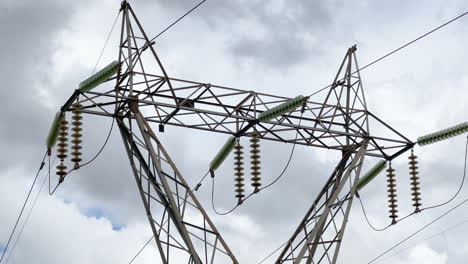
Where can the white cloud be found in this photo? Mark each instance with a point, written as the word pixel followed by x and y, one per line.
pixel 417 91
pixel 422 253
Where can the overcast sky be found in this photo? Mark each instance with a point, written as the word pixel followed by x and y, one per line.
pixel 278 47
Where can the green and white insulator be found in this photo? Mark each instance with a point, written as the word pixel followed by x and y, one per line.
pixel 281 109
pixel 99 77
pixel 54 130
pixel 443 134
pixel 371 174
pixel 222 154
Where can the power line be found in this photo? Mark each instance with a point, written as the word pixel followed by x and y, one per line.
pixel 423 209
pixel 425 239
pixel 461 185
pixel 328 86
pixel 24 205
pixel 141 249
pixel 88 162
pixel 266 186
pixel 179 19
pixel 203 178
pixel 398 49
pixel 105 44
pixel 418 231
pixel 411 42
pixel 274 251
pixel 29 213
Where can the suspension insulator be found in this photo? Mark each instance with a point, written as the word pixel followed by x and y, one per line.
pixel 76 127
pixel 392 196
pixel 255 161
pixel 62 149
pixel 414 181
pixel 239 171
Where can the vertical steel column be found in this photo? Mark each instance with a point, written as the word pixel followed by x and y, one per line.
pixel 129 47
pixel 181 227
pixel 169 195
pixel 133 152
pixel 324 214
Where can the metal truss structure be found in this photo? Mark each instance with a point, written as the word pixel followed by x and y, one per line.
pixel 318 237
pixel 144 94
pixel 182 230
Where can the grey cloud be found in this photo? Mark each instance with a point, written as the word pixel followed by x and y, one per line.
pixel 28 30
pixel 108 183
pixel 284 27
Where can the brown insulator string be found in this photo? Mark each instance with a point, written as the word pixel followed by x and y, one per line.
pixel 414 181
pixel 239 171
pixel 76 127
pixel 62 149
pixel 392 196
pixel 255 161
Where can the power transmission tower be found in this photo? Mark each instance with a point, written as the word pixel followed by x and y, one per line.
pixel 318 237
pixel 144 94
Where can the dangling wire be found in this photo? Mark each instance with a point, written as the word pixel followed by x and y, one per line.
pixel 24 205
pixel 213 198
pixel 30 211
pixel 268 185
pixel 91 160
pixel 426 208
pixel 461 184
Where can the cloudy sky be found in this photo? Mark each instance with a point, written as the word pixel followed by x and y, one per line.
pixel 278 47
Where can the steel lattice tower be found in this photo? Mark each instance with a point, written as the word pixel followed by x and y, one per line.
pixel 144 94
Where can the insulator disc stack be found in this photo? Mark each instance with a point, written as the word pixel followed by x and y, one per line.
pixel 239 171
pixel 415 189
pixel 255 161
pixel 76 127
pixel 62 149
pixel 392 196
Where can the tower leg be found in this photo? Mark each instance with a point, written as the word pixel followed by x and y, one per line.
pixel 182 230
pixel 318 237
